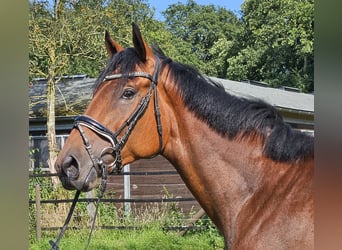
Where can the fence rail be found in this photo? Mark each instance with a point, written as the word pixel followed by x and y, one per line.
pixel 179 200
pixel 127 173
pixel 118 200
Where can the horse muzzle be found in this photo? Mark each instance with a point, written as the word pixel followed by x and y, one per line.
pixel 73 178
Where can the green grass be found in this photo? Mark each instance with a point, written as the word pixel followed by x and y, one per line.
pixel 148 238
pixel 150 219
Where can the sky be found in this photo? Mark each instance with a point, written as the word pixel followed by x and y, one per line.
pixel 161 5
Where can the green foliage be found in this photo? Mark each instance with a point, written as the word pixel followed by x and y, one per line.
pixel 205 30
pixel 174 215
pixel 75 31
pixel 271 42
pixel 151 224
pixel 277 43
pixel 47 191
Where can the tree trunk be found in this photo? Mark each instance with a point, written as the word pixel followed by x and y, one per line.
pixel 50 122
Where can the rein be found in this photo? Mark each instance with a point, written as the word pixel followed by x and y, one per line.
pixel 54 244
pixel 100 164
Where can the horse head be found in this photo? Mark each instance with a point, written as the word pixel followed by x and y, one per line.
pixel 122 122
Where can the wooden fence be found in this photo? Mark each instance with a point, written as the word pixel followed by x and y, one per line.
pixel 144 182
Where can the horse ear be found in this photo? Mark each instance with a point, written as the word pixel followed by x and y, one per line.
pixel 112 46
pixel 140 45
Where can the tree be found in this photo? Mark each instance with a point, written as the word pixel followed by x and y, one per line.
pixel 44 29
pixel 79 32
pixel 61 42
pixel 67 38
pixel 204 29
pixel 277 43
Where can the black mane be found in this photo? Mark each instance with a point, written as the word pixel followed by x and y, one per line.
pixel 228 115
pixel 232 116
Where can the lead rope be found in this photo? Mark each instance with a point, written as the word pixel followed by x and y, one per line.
pixel 54 244
pixel 101 192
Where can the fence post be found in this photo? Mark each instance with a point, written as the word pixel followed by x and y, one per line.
pixel 127 189
pixel 38 216
pixel 91 206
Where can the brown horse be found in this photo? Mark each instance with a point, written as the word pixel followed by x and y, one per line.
pixel 251 173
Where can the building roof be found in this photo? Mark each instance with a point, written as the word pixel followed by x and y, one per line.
pixel 280 98
pixel 74 93
pixel 72 96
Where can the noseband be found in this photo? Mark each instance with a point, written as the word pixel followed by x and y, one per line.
pixel 113 137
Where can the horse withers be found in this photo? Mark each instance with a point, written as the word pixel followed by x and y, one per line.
pixel 251 172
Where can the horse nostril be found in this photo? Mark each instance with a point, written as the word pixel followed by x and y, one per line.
pixel 70 167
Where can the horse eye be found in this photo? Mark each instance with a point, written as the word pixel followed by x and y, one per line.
pixel 128 94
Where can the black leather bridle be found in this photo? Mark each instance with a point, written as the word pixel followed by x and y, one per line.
pixel 113 137
pixel 99 163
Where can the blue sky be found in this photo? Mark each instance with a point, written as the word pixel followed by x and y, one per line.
pixel 161 5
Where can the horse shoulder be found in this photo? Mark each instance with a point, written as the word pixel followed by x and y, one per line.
pixel 280 216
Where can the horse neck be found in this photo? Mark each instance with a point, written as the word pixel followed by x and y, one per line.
pixel 214 168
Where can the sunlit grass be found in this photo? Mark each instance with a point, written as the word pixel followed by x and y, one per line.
pixel 147 238
pixel 150 223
